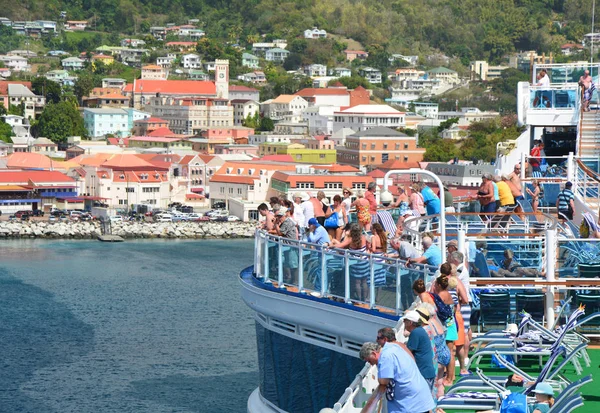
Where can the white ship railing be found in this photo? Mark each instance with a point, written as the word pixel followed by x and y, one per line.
pixel 329 272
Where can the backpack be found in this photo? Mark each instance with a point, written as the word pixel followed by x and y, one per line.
pixel 514 403
pixel 584 229
pixel 444 311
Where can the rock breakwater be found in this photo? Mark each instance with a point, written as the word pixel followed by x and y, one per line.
pixel 91 229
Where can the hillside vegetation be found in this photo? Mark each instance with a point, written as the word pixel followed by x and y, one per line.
pixel 466 29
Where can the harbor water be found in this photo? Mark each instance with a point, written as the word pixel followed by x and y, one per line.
pixel 142 326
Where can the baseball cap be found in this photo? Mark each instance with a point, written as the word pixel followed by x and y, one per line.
pixel 281 211
pixel 313 221
pixel 569 184
pixel 415 317
pixel 453 243
pixel 544 388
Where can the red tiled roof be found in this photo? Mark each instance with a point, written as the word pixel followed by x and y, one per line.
pixel 16 177
pixel 337 168
pixel 174 87
pixel 322 91
pixel 28 160
pixel 128 161
pixel 234 179
pixel 186 159
pixel 377 173
pixel 206 158
pixel 161 132
pixel 4 85
pixel 160 138
pixel 398 164
pixel 151 120
pixel 181 44
pixel 194 196
pixel 355 51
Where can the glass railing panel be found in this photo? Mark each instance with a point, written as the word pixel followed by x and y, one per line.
pixel 311 269
pixel 518 258
pixel 290 262
pixel 272 265
pixel 384 276
pixel 557 99
pixel 359 272
pixel 578 257
pixel 336 274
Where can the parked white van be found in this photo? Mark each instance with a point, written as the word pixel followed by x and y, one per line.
pixel 164 218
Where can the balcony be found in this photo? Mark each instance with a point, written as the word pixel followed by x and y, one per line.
pixel 557 105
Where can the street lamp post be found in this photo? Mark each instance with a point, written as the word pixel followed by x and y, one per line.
pixel 415 171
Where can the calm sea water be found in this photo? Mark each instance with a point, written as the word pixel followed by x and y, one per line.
pixel 141 326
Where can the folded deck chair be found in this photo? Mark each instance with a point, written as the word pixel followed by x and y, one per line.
pixel 551 374
pixel 518 349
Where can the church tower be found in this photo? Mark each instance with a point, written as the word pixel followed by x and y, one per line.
pixel 222 78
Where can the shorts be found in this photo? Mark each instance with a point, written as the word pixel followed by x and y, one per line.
pixel 465 311
pixel 562 214
pixel 451 333
pixel 460 330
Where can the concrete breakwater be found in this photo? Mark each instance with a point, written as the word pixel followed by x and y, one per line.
pixel 91 229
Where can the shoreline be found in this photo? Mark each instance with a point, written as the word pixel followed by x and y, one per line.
pixel 126 230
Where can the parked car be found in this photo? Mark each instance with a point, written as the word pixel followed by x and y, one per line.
pixel 116 218
pixel 164 218
pixel 233 218
pixel 20 214
pixel 52 218
pixel 193 216
pixel 202 219
pixel 38 213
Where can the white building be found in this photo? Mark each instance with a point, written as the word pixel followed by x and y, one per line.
pixel 15 63
pixel 191 61
pixel 341 72
pixel 315 70
pixel 372 75
pixel 284 108
pixel 262 47
pixel 154 72
pixel 315 33
pixel 363 117
pixel 276 55
pixel 242 108
pixel 257 77
pixel 72 63
pixel 166 61
pixel 320 119
pixel 34 104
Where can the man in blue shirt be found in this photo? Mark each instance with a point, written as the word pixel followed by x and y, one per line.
pixel 398 374
pixel 432 254
pixel 431 201
pixel 420 345
pixel 317 234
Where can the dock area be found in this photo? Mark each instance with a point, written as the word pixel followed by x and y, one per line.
pixel 110 238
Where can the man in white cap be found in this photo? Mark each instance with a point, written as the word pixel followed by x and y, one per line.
pixel 298 216
pixel 420 345
pixel 307 208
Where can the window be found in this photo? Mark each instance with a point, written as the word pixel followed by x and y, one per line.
pixel 406 146
pixel 385 146
pixel 321 156
pixel 239 191
pixel 364 146
pixel 130 190
pixel 372 146
pixel 122 202
pixel 406 159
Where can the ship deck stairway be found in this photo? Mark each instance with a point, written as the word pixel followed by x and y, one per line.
pixel 589 145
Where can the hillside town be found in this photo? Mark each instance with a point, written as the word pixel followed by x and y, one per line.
pixel 183 131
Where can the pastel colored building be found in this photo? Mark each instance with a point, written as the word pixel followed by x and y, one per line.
pixel 111 121
pixel 375 146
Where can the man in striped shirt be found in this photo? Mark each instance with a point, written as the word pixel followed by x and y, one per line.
pixel 565 203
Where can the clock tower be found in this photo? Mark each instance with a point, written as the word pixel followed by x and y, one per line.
pixel 222 78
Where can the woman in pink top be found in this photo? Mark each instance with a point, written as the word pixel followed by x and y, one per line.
pixel 416 199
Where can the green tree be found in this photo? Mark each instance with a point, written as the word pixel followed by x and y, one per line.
pixel 2 109
pixel 83 85
pixel 5 132
pixel 47 88
pixel 266 124
pixel 442 150
pixel 354 81
pixel 59 121
pixel 18 110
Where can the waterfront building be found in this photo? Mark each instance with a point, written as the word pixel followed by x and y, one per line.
pixel 244 185
pixel 33 190
pixel 363 117
pixel 375 146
